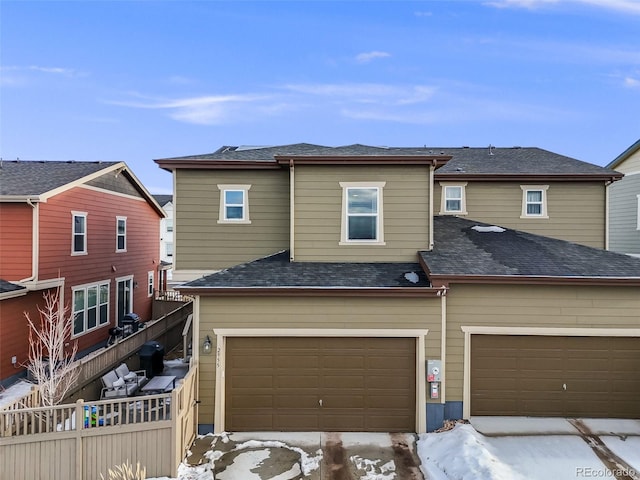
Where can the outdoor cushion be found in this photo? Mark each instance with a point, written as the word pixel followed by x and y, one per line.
pixel 124 372
pixel 118 383
pixel 109 378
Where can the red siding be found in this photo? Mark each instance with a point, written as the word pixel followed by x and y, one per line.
pixel 101 263
pixel 16 225
pixel 14 331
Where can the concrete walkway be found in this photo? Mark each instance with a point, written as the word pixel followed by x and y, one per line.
pixel 313 455
pixel 525 426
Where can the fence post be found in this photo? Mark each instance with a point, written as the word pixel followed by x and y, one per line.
pixel 78 431
pixel 176 438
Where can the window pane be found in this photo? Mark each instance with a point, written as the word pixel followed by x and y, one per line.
pixel 78 323
pixel 169 224
pixel 91 318
pixel 120 245
pixel 234 212
pixel 78 243
pixel 362 228
pixel 78 301
pixel 121 227
pixel 78 224
pixel 453 205
pixel 103 314
pixel 453 192
pixel 92 296
pixel 169 249
pixel 104 294
pixel 362 200
pixel 234 197
pixel 534 196
pixel 534 209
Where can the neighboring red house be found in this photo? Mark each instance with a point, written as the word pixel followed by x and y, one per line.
pixel 90 228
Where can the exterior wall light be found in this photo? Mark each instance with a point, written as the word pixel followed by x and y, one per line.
pixel 207 347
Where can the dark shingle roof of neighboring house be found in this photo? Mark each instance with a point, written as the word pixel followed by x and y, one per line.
pixel 464 161
pixel 163 199
pixel 277 272
pixel 10 290
pixel 32 178
pixel 461 251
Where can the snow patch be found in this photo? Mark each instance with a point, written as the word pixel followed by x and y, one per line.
pixel 492 229
pixel 372 470
pixel 14 393
pixel 412 277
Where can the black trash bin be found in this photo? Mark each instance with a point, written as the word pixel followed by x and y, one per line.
pixel 130 323
pixel 152 358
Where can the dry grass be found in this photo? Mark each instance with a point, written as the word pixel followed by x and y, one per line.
pixel 126 472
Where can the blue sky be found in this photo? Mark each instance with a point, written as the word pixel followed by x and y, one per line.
pixel 136 81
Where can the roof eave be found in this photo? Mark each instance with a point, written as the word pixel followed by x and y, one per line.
pixel 443 279
pixel 170 164
pixel 624 155
pixel 435 160
pixel 311 291
pixel 529 177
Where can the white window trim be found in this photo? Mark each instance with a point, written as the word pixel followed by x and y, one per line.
pixel 222 214
pixel 344 240
pixel 85 288
pixel 84 215
pixel 463 199
pixel 528 188
pixel 221 336
pixel 124 219
pixel 150 283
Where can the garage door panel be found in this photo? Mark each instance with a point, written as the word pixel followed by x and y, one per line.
pixel 600 375
pixel 345 373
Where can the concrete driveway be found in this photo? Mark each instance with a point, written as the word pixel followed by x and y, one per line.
pixel 314 456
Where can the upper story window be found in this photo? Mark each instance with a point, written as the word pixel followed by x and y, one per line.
pixel 234 204
pixel 90 307
pixel 362 220
pixel 454 200
pixel 169 249
pixel 169 224
pixel 121 234
pixel 79 233
pixel 534 201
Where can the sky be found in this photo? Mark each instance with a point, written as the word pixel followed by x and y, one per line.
pixel 135 81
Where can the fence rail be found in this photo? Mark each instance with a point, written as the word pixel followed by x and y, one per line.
pixel 81 440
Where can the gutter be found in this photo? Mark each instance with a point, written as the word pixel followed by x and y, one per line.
pixel 293 291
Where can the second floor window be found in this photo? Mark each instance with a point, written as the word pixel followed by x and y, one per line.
pixel 150 285
pixel 362 215
pixel 453 199
pixel 121 234
pixel 169 249
pixel 234 204
pixel 169 224
pixel 534 201
pixel 79 233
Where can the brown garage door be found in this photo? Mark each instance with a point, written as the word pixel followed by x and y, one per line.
pixel 555 376
pixel 320 384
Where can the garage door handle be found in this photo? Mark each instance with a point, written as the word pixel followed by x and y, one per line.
pixel 320 402
pixel 564 386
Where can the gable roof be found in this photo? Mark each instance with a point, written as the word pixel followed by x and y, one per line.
pixel 38 180
pixel 163 199
pixel 463 254
pixel 275 274
pixel 624 155
pixel 454 163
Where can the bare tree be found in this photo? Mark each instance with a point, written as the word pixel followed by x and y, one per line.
pixel 51 363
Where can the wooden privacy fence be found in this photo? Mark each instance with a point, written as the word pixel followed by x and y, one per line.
pixel 83 440
pixel 93 366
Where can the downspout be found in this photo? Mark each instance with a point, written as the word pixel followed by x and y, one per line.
pixel 606 215
pixel 291 211
pixel 443 343
pixel 431 170
pixel 34 242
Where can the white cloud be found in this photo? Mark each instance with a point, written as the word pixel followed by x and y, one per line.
pixel 367 92
pixel 632 82
pixel 626 6
pixel 369 56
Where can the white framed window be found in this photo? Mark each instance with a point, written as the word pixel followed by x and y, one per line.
pixel 169 249
pixel 79 233
pixel 121 234
pixel 150 283
pixel 362 219
pixel 90 307
pixel 169 224
pixel 534 201
pixel 234 204
pixel 453 199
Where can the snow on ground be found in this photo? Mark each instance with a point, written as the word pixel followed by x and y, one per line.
pixel 14 392
pixel 464 454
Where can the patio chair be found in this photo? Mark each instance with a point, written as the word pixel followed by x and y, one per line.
pixel 138 377
pixel 114 387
